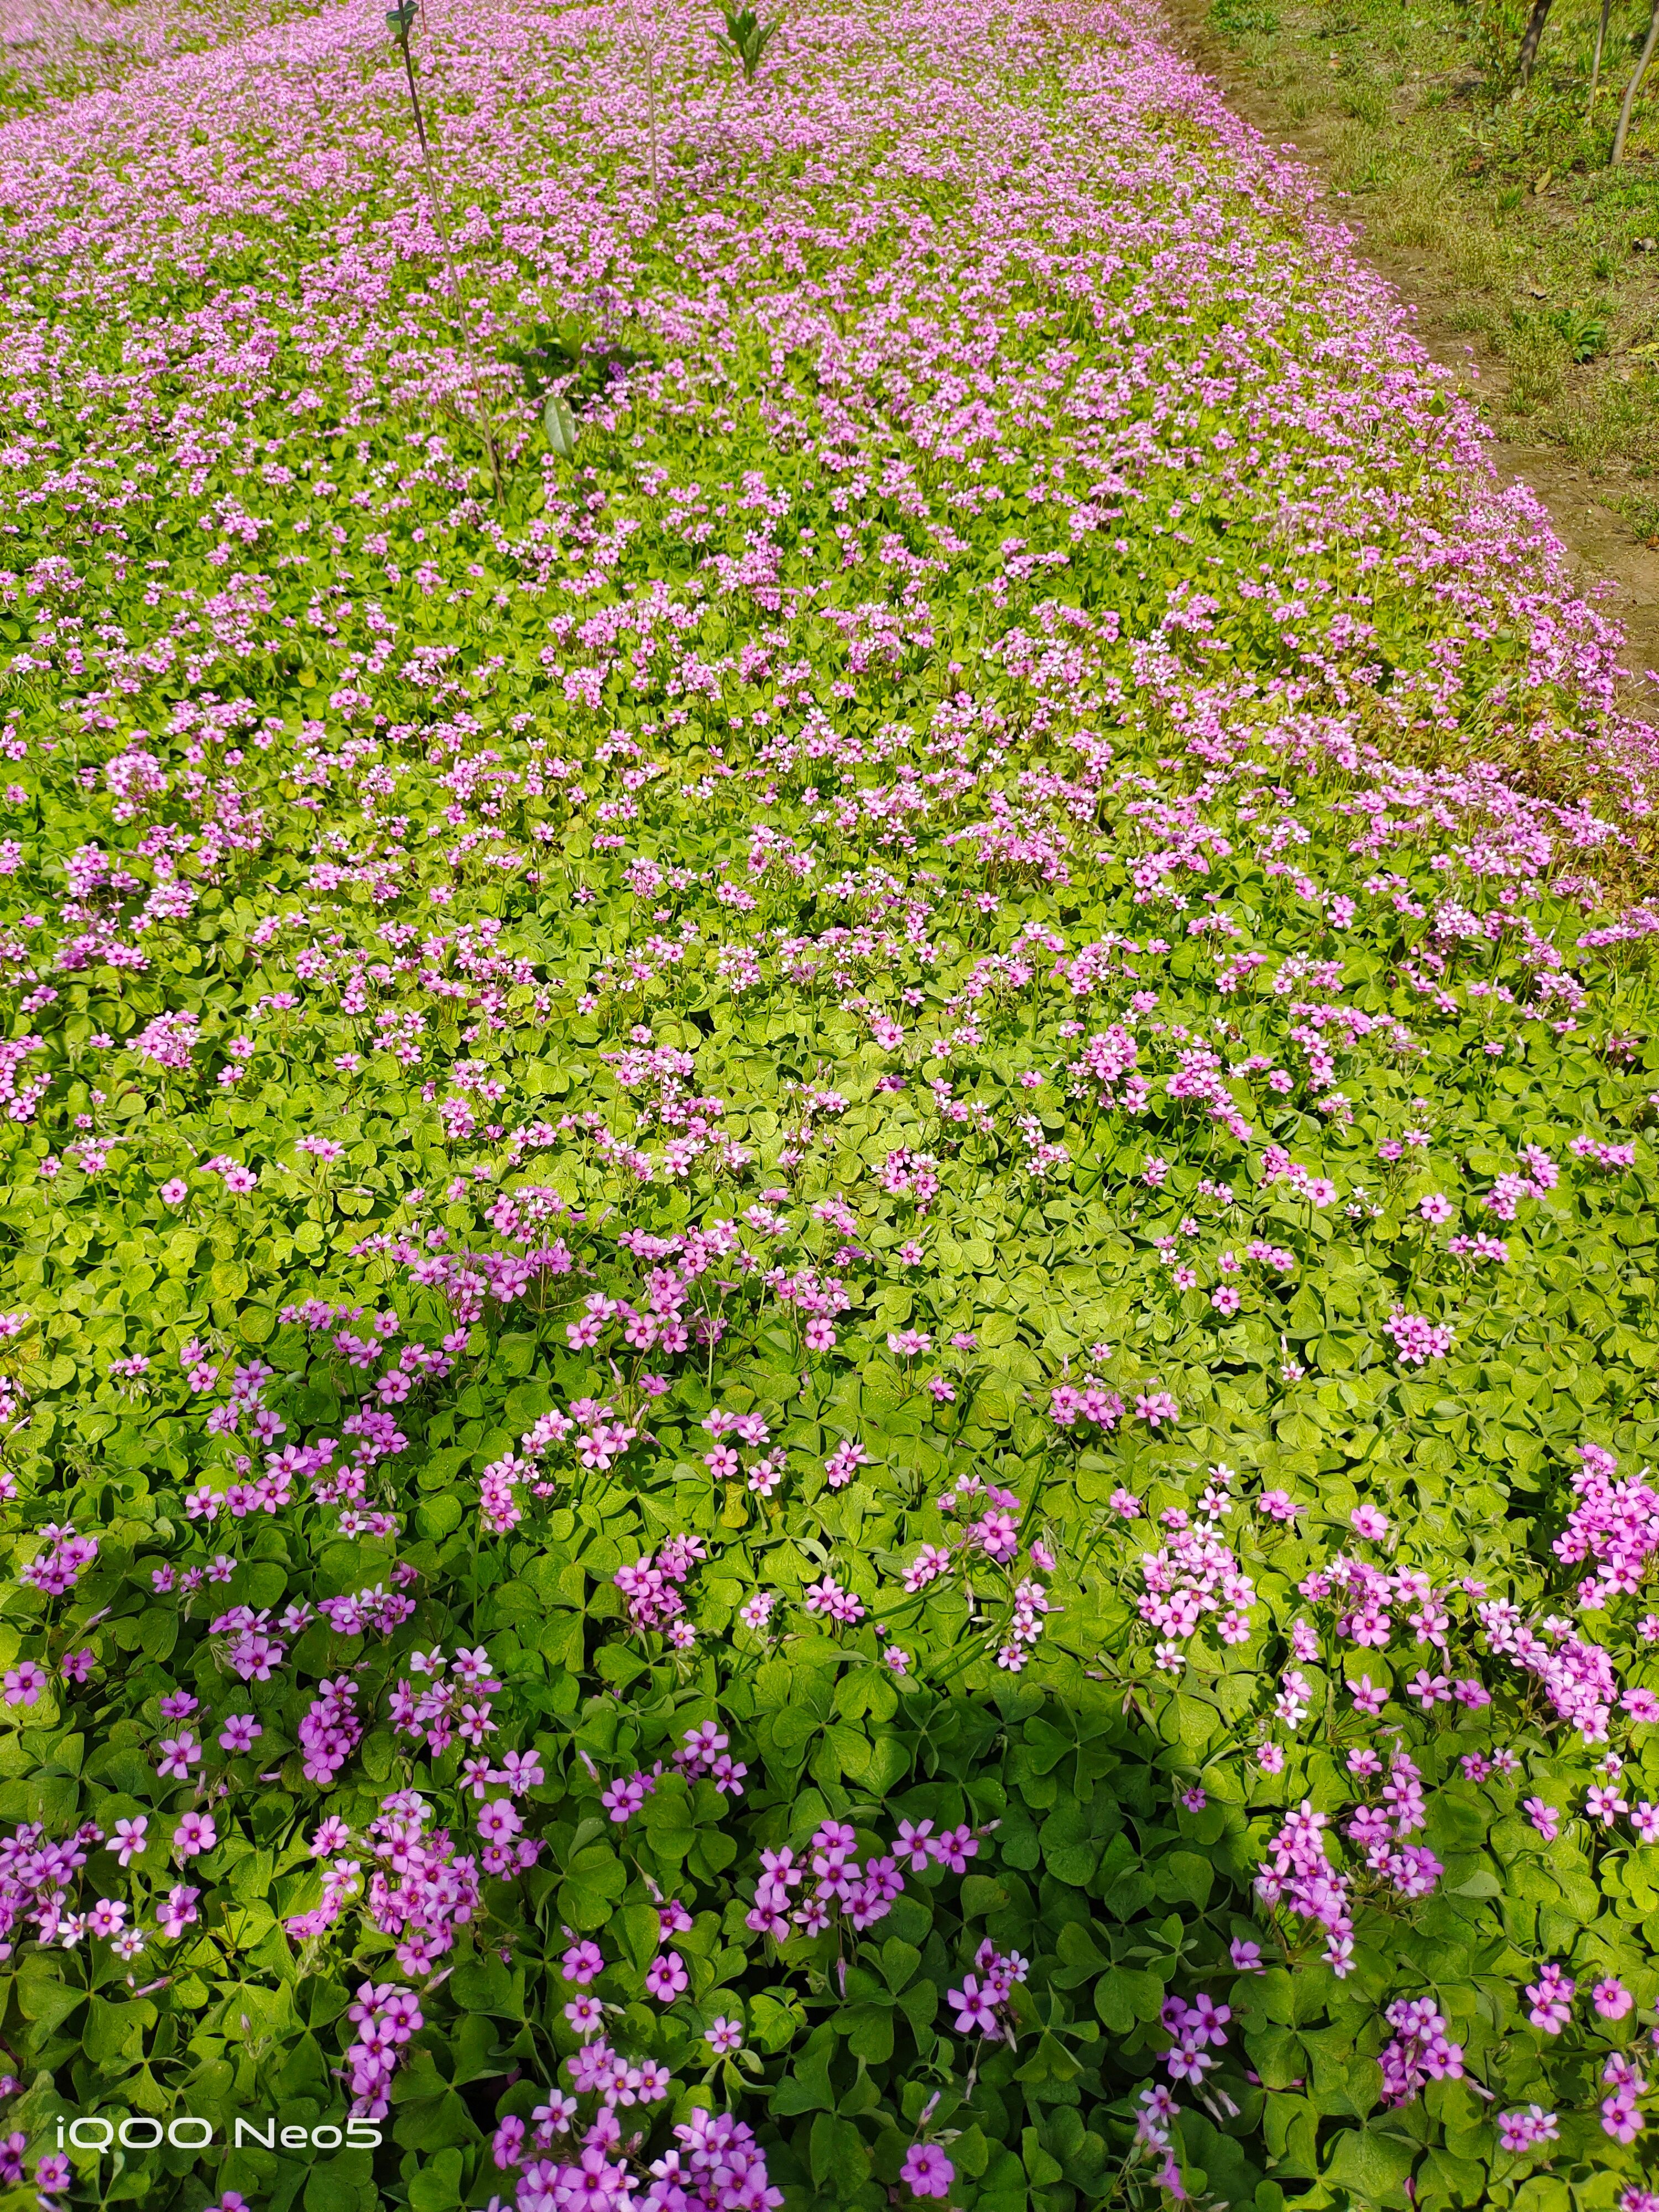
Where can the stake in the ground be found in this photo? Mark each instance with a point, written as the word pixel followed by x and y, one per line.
pixel 400 20
pixel 1531 39
pixel 1596 66
pixel 1634 87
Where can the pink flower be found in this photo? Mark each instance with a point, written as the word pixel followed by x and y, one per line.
pixel 1550 1999
pixel 974 2008
pixel 582 1963
pixel 178 1754
pixel 128 1839
pixel 1544 1817
pixel 195 1833
pixel 1621 2117
pixel 926 2172
pixel 22 1685
pixel 666 1977
pixel 1611 1998
pixel 498 1821
pixel 179 1910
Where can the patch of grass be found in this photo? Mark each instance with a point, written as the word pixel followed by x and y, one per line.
pixel 1537 360
pixel 1240 19
pixel 1642 508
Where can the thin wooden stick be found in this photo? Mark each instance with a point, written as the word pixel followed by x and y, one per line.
pixel 1532 39
pixel 1596 66
pixel 651 37
pixel 441 222
pixel 1634 87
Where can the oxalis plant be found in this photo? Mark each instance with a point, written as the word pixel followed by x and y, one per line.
pixel 825 1364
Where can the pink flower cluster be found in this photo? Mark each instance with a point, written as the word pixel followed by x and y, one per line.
pixel 1549 1999
pixel 1421 2051
pixel 424 1892
pixel 1521 2131
pixel 1108 1059
pixel 36 1876
pixel 498 1505
pixel 984 2003
pixel 1301 1877
pixel 1577 1677
pixel 911 1175
pixel 459 1706
pixel 1417 1340
pixel 1614 1523
pixel 1380 1830
pixel 716 2166
pixel 1094 1402
pixel 705 1755
pixel 1366 1595
pixel 387 2017
pixel 379 1609
pixel 1622 2117
pixel 1195 1575
pixel 653 1585
pixel 61 1563
pixel 1610 1156
pixel 330 1729
pixel 764 1475
pixel 862 1892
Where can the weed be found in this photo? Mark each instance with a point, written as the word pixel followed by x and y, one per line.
pixel 749 38
pixel 1582 330
pixel 570 354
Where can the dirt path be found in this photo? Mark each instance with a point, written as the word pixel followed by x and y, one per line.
pixel 1601 542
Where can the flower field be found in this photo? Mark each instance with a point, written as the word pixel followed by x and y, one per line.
pixel 828 1153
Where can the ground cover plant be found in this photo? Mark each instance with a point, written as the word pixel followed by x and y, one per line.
pixel 52 52
pixel 1504 198
pixel 828 1157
